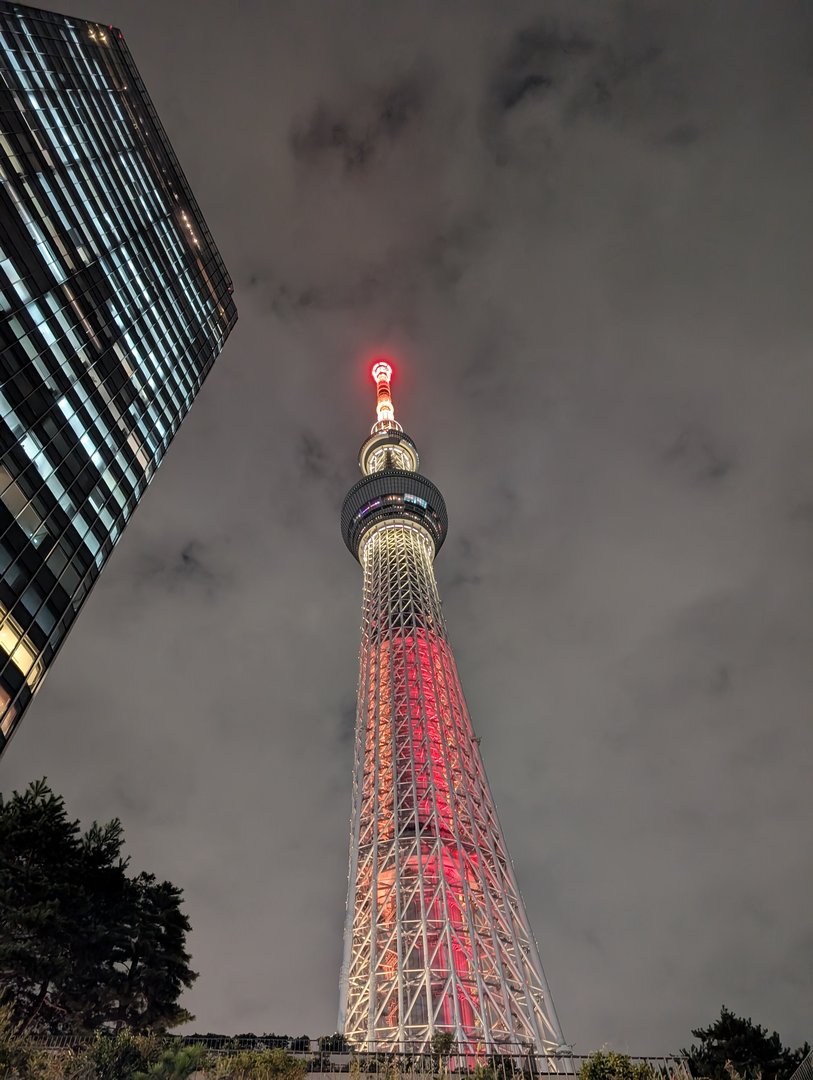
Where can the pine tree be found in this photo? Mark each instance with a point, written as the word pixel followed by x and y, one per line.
pixel 40 898
pixel 156 966
pixel 746 1046
pixel 84 945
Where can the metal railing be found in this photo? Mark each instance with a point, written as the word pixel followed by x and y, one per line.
pixel 331 1055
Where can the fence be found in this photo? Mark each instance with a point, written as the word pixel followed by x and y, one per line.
pixel 332 1055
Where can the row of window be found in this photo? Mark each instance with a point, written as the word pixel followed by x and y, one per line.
pixel 390 499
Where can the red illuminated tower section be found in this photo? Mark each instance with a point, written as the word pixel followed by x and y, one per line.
pixel 436 937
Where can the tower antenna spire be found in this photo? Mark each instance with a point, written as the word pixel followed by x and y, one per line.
pixel 384 408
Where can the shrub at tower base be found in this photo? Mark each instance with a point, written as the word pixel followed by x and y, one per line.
pixel 608 1065
pixel 84 944
pixel 126 1056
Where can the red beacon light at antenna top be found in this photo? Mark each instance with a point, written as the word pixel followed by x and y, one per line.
pixel 382 371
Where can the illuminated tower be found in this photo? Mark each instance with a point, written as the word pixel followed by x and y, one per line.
pixel 436 936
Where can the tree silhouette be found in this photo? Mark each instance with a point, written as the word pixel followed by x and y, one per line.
pixel 83 945
pixel 745 1045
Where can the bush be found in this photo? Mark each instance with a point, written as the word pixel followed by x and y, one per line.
pixel 18 1059
pixel 176 1063
pixel 607 1065
pixel 442 1043
pixel 260 1065
pixel 114 1057
pixel 13 1051
pixel 333 1044
pixel 504 1066
pixel 483 1072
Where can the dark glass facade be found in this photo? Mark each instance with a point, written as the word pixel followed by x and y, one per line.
pixel 114 304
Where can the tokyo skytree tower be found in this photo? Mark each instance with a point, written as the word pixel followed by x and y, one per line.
pixel 436 936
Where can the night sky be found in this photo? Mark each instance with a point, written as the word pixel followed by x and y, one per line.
pixel 583 232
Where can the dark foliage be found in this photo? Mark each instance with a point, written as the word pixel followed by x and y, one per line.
pixel 114 1056
pixel 84 945
pixel 609 1065
pixel 333 1044
pixel 746 1046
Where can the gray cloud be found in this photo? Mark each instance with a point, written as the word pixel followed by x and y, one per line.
pixel 437 257
pixel 538 59
pixel 696 456
pixel 315 463
pixel 356 135
pixel 186 565
pixel 682 135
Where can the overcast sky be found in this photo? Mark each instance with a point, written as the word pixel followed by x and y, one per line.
pixel 583 231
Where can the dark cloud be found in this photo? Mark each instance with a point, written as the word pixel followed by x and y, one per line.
pixel 537 59
pixel 521 88
pixel 696 455
pixel 291 301
pixel 439 258
pixel 312 457
pixel 468 562
pixel 356 135
pixel 720 681
pixel 186 565
pixel 327 133
pixel 585 239
pixel 315 462
pixel 618 77
pixel 619 68
pixel 283 299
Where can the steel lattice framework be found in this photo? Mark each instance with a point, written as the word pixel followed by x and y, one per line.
pixel 436 936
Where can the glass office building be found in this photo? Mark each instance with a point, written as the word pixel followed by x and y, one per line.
pixel 114 304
